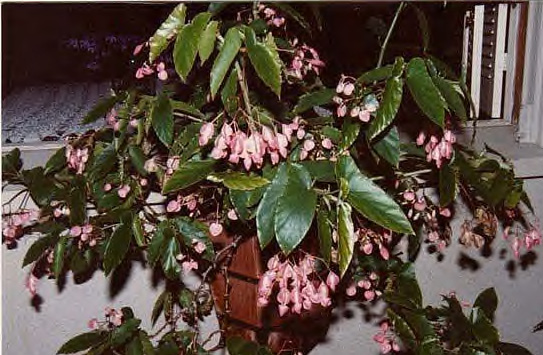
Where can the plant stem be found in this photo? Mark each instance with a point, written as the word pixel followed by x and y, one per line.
pixel 390 30
pixel 245 92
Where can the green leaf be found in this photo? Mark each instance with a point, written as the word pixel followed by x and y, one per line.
pixel 157 244
pixel 188 174
pixel 238 346
pixel 388 147
pixel 295 15
pixel 102 107
pixel 370 200
pixel 169 262
pixel 424 27
pixel 407 284
pixel 207 41
pixel 346 236
pixel 268 204
pixel 38 248
pixel 320 170
pixel 56 162
pixel 160 40
pixel 332 132
pixel 312 99
pixel 134 347
pixel 377 74
pixel 229 51
pixel 137 231
pixel 82 342
pixel 483 328
pixel 424 91
pixel 349 133
pixel 147 346
pixel 325 234
pixel 242 200
pixel 236 180
pixel 295 209
pixel 137 158
pixel 162 119
pixel 158 307
pixel 103 162
pixel 77 203
pixel 402 329
pixel 452 97
pixel 58 256
pixel 116 247
pixel 447 185
pixel 229 93
pixel 487 301
pixel 186 44
pixel 11 162
pixel 120 335
pixel 512 349
pixel 392 98
pixel 187 108
pixel 194 230
pixel 265 61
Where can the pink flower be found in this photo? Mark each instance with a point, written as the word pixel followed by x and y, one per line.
pixel 199 247
pixel 162 73
pixel 278 21
pixel 93 323
pixel 369 295
pixel 300 134
pixel 206 132
pixel 348 90
pixel 516 247
pixel 215 229
pixel 367 247
pixel 173 206
pixel 409 195
pixel 341 110
pixel 421 138
pixel 420 205
pixel 232 215
pixel 355 111
pixel 309 145
pixel 31 284
pixel 75 231
pixel 384 252
pixel 340 87
pixel 364 116
pixel 445 212
pixel 189 265
pixel 332 280
pixel 150 165
pixel 107 187
pixel 282 310
pixel 123 191
pixel 326 143
pixel 351 290
pixel 143 182
pixel 138 49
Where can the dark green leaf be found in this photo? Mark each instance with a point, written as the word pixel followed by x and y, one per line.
pixel 242 200
pixel 265 61
pixel 187 108
pixel 38 248
pixel 424 91
pixel 487 301
pixel 137 231
pixel 162 119
pixel 512 349
pixel 207 41
pixel 77 203
pixel 447 185
pixel 295 15
pixel 188 174
pixel 229 93
pixel 238 346
pixel 312 99
pixel 103 162
pixel 11 162
pixel 159 41
pixel 58 256
pixel 229 51
pixel 102 107
pixel 137 158
pixel 325 234
pixel 147 346
pixel 332 132
pixel 122 334
pixel 169 261
pixel 267 207
pixel 401 328
pixel 56 162
pixel 134 347
pixel 295 209
pixel 158 307
pixel 320 170
pixel 157 244
pixel 452 97
pixel 40 187
pixel 370 200
pixel 82 342
pixel 377 74
pixel 236 180
pixel 424 28
pixel 483 328
pixel 194 230
pixel 388 147
pixel 346 236
pixel 116 247
pixel 349 133
pixel 186 44
pixel 407 284
pixel 392 98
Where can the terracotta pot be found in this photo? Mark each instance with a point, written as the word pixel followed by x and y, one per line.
pixel 262 324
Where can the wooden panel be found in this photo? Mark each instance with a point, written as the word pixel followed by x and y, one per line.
pixel 246 260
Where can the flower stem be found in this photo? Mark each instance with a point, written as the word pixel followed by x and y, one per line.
pixel 389 33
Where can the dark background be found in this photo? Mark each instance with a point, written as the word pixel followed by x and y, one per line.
pixel 34 37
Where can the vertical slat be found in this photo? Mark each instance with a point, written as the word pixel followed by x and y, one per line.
pixel 499 61
pixel 476 57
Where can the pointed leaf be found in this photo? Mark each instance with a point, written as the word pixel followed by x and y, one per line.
pixel 349 133
pixel 137 230
pixel 56 162
pixel 392 98
pixel 229 51
pixel 452 97
pixel 325 234
pixel 320 170
pixel 192 230
pixel 295 15
pixel 38 248
pixel 102 107
pixel 487 301
pixel 160 40
pixel 207 41
pixel 265 61
pixel 82 342
pixel 137 158
pixel 169 262
pixel 58 256
pixel 229 93
pixel 103 162
pixel 377 74
pixel 188 174
pixel 162 119
pixel 424 91
pixel 388 147
pixel 312 99
pixel 401 328
pixel 512 349
pixel 162 234
pixel 268 204
pixel 346 236
pixel 116 247
pixel 447 185
pixel 236 180
pixel 295 209
pixel 370 200
pixel 186 44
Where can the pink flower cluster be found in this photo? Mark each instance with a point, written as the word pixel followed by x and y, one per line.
pixel 437 150
pixel 174 206
pixel 85 235
pixel 531 238
pixel 368 238
pixel 271 16
pixel 306 59
pixel 31 284
pixel 363 109
pixel 368 285
pixel 114 316
pixel 12 225
pixel 251 149
pixel 145 70
pixel 187 263
pixel 386 339
pixel 297 289
pixel 77 158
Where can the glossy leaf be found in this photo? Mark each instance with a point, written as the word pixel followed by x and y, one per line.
pixel 117 246
pixel 188 174
pixel 169 262
pixel 103 163
pixel 512 349
pixel 452 97
pixel 125 331
pixel 312 99
pixel 137 158
pixel 325 234
pixel 102 107
pixel 370 200
pixel 424 27
pixel 487 301
pixel 187 43
pixel 229 93
pixel 295 209
pixel 388 147
pixel 58 256
pixel 236 180
pixel 162 119
pixel 192 230
pixel 146 344
pixel 402 329
pixel 265 61
pixel 82 342
pixel 207 41
pixel 268 204
pixel 160 40
pixel 295 15
pixel 320 170
pixel 162 234
pixel 483 329
pixel 134 347
pixel 424 91
pixel 377 74
pixel 186 108
pixel 229 51
pixel 137 231
pixel 346 237
pixel 447 185
pixel 349 133
pixel 392 98
pixel 38 248
pixel 56 162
